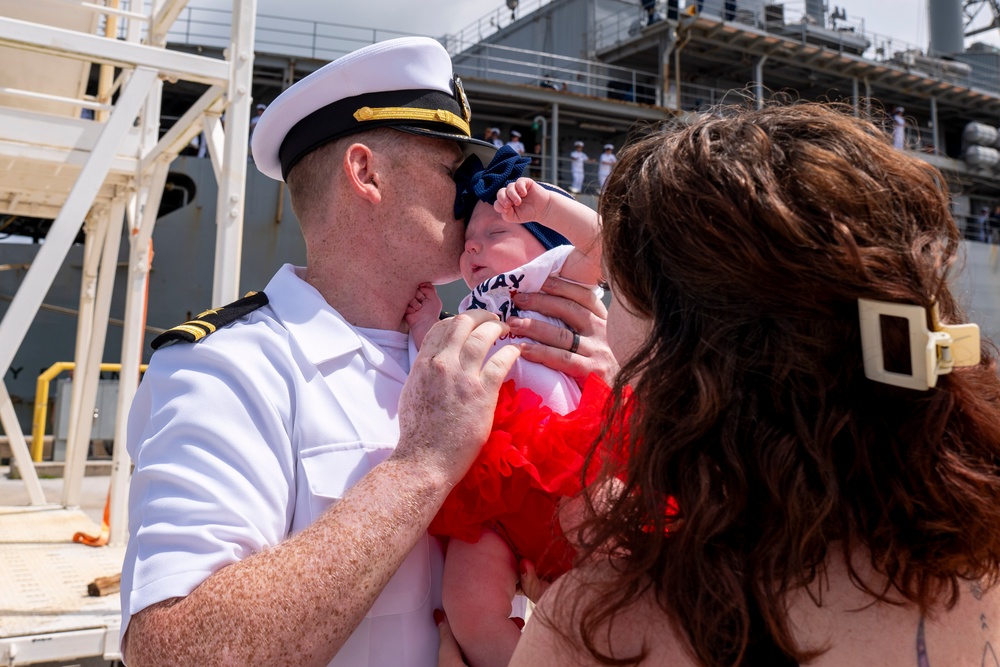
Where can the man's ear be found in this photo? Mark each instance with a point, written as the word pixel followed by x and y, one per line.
pixel 362 176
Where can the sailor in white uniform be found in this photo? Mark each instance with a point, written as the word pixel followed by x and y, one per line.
pixel 255 419
pixel 578 158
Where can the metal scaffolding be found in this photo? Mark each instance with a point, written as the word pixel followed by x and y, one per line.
pixel 98 162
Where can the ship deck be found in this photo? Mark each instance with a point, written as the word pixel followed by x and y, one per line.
pixel 45 611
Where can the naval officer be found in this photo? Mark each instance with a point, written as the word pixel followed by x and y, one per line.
pixel 286 468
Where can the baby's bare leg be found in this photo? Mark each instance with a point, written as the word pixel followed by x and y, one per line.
pixel 479 584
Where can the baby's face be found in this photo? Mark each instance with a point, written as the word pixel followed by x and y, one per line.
pixel 493 246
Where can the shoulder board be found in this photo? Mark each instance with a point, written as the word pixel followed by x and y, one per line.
pixel 207 322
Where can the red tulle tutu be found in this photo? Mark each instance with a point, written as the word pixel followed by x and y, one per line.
pixel 533 458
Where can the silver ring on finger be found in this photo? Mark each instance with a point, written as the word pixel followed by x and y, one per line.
pixel 576 343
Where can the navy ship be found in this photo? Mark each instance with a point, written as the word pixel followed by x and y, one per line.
pixel 557 72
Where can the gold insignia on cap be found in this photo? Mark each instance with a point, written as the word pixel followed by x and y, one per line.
pixel 412 113
pixel 463 101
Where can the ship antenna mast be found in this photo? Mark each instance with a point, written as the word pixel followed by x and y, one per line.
pixel 971 9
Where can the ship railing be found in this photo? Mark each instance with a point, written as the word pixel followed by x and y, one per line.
pixel 324 40
pixel 303 38
pixel 491 23
pixel 496 62
pixel 790 21
pixel 540 169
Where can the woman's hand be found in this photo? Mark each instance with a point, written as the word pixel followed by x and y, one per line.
pixel 584 313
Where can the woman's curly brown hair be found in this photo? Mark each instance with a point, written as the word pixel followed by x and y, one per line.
pixel 746 239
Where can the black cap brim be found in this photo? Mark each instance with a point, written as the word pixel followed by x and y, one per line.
pixel 470 146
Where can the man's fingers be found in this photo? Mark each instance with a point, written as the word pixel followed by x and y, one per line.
pixel 455 331
pixel 498 366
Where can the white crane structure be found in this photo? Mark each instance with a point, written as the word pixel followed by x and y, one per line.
pixel 99 162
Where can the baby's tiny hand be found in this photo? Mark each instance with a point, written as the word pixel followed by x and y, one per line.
pixel 423 311
pixel 521 201
pixel 425 292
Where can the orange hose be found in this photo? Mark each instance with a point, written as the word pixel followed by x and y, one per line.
pixel 101 539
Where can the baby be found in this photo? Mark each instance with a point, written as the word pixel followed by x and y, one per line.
pixel 520 232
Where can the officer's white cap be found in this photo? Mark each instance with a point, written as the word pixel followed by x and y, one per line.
pixel 404 83
pixel 577 143
pixel 607 146
pixel 515 133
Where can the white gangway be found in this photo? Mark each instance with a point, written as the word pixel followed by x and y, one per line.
pixel 97 162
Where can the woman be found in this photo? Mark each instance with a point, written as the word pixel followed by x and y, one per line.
pixel 779 506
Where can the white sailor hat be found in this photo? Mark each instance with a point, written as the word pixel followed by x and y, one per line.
pixel 609 146
pixel 577 143
pixel 261 107
pixel 405 83
pixel 515 133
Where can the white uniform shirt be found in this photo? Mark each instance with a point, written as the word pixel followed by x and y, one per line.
pixel 246 437
pixel 517 145
pixel 606 161
pixel 557 390
pixel 578 157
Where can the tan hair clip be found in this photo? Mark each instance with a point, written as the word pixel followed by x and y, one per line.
pixel 932 353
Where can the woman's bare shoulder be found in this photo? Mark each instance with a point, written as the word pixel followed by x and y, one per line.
pixel 854 629
pixel 552 636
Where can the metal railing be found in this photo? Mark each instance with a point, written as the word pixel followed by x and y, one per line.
pixel 324 40
pixel 303 38
pixel 586 77
pixel 790 21
pixel 489 24
pixel 42 400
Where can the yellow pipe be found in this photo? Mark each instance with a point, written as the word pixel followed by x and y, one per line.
pixel 42 401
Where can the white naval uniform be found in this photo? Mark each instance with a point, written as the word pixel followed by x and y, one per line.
pixel 517 145
pixel 246 437
pixel 607 160
pixel 578 158
pixel 556 389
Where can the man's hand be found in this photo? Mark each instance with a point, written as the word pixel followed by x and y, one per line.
pixel 446 408
pixel 584 313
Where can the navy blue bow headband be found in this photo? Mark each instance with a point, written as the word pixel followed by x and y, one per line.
pixel 476 183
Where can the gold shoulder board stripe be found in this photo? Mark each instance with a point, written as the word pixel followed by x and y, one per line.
pixel 210 321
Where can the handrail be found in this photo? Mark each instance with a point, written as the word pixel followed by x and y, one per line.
pixel 42 401
pixel 794 23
